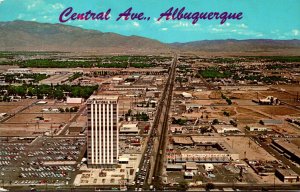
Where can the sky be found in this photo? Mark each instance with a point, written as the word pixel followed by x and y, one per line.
pixel 262 19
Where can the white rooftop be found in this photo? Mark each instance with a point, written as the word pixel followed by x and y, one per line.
pixel 103 97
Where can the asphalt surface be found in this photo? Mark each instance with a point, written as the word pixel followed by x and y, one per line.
pixel 155 148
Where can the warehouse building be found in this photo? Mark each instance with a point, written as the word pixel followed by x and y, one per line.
pixel 287 175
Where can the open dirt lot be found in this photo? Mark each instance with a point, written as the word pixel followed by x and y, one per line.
pixel 39 108
pixel 202 94
pixel 13 107
pixel 279 110
pixel 242 95
pixel 253 151
pixel 49 118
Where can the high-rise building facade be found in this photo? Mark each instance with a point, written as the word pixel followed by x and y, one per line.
pixel 103 132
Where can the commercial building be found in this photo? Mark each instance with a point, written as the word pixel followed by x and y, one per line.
pixel 201 150
pixel 208 167
pixel 287 175
pixel 132 129
pixel 271 122
pixel 77 127
pixel 257 129
pixel 290 149
pixel 71 100
pixel 103 133
pixel 226 129
pixel 186 95
pixel 19 71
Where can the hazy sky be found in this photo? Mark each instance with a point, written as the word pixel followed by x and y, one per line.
pixel 271 19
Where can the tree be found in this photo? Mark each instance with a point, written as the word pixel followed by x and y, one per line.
pixel 209 186
pixel 129 112
pixel 20 90
pixel 58 94
pixel 215 121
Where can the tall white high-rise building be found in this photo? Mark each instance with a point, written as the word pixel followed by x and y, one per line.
pixel 103 132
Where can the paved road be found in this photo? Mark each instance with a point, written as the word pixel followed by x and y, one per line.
pixel 158 168
pixel 66 128
pixel 152 159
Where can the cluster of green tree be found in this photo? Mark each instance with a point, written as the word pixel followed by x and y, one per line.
pixel 112 65
pixel 274 59
pixel 53 92
pixel 69 110
pixel 225 113
pixel 6 55
pixel 141 65
pixel 229 102
pixel 141 116
pixel 179 121
pixel 133 59
pixel 213 72
pixel 50 63
pixel 269 79
pixel 111 62
pixel 223 60
pixel 278 66
pixel 11 78
pixel 282 59
pixel 75 76
pixel 128 114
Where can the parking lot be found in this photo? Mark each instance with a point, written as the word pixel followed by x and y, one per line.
pixel 41 160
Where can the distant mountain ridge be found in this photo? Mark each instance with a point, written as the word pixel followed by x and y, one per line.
pixel 239 45
pixel 34 36
pixel 27 35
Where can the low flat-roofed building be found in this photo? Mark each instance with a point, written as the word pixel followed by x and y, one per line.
pixel 186 95
pixel 129 129
pixel 271 122
pixel 174 167
pixel 258 129
pixel 208 167
pixel 71 100
pixel 192 106
pixel 182 141
pixel 41 102
pixel 203 150
pixel 209 156
pixel 200 140
pixel 117 79
pixel 287 175
pixel 289 148
pixel 191 166
pixel 153 94
pixel 176 129
pixel 123 160
pixel 19 71
pixel 226 129
pixel 77 127
pixel 188 174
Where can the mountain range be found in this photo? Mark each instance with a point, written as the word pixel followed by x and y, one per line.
pixel 33 36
